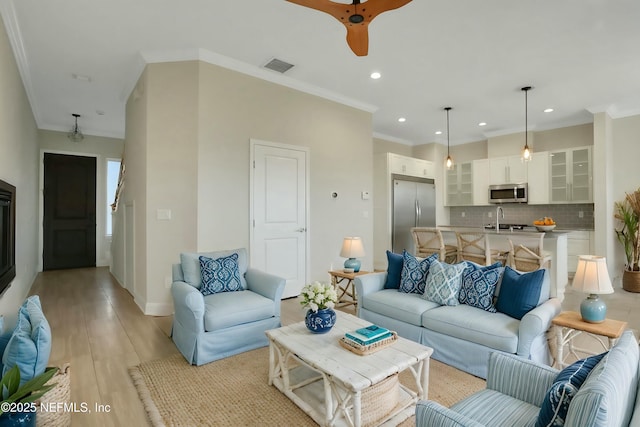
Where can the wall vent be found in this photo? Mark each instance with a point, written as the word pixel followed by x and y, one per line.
pixel 278 65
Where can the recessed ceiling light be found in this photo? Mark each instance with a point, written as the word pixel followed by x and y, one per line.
pixel 482 124
pixel 548 110
pixel 376 75
pixel 402 119
pixel 438 132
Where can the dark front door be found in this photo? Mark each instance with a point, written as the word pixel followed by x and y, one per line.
pixel 69 211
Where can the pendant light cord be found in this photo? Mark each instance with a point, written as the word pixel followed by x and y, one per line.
pixel 447 110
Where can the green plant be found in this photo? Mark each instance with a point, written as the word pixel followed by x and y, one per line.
pixel 627 212
pixel 32 390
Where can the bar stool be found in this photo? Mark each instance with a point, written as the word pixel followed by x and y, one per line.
pixel 429 240
pixel 528 255
pixel 474 246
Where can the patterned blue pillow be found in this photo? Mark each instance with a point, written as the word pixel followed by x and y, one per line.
pixel 479 285
pixel 556 402
pixel 220 275
pixel 414 273
pixel 443 283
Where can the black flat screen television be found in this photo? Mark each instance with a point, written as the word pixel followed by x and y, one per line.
pixel 7 235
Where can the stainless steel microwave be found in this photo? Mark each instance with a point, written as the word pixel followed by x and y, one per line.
pixel 509 193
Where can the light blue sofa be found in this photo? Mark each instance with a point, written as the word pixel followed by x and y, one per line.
pixel 212 327
pixel 516 389
pixel 461 336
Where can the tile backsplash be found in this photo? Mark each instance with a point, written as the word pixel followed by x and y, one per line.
pixel 565 216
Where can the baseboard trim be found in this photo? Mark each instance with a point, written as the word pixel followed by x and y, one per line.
pixel 155 308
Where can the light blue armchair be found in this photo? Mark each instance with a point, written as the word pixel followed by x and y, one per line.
pixel 516 388
pixel 212 327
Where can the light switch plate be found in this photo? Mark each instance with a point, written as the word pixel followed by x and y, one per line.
pixel 163 214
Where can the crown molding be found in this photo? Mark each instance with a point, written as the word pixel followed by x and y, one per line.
pixel 12 27
pixel 197 54
pixel 390 138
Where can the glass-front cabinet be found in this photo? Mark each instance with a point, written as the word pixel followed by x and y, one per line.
pixel 571 176
pixel 460 185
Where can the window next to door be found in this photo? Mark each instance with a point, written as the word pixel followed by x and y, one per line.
pixel 113 171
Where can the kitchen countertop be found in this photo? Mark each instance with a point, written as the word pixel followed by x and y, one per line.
pixel 531 232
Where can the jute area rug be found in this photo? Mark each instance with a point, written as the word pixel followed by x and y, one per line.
pixel 235 392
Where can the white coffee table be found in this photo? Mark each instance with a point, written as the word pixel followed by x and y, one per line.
pixel 327 381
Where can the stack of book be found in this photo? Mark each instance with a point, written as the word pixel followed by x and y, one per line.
pixel 369 335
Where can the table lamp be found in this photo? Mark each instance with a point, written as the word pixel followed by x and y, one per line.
pixel 592 278
pixel 352 248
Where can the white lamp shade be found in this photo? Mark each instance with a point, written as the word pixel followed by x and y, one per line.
pixel 592 276
pixel 352 248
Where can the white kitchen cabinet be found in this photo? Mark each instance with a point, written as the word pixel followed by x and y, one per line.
pixel 538 178
pixel 460 184
pixel 481 182
pixel 507 170
pixel 571 179
pixel 410 166
pixel 579 242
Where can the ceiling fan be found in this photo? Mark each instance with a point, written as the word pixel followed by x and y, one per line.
pixel 355 16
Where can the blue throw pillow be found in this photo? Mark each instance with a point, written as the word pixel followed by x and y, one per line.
pixel 394 270
pixel 443 283
pixel 479 285
pixel 555 406
pixel 414 273
pixel 519 293
pixel 220 275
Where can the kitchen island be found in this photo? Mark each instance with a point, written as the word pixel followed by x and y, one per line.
pixel 555 242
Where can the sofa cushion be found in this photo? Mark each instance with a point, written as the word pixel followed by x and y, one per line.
pixel 493 330
pixel 414 273
pixel 226 309
pixel 553 411
pixel 190 263
pixel 492 408
pixel 394 270
pixel 479 285
pixel 220 274
pixel 30 344
pixel 519 293
pixel 397 305
pixel 607 396
pixel 443 282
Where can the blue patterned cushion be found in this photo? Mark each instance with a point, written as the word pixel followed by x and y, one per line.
pixel 519 293
pixel 220 275
pixel 443 283
pixel 556 402
pixel 479 285
pixel 394 270
pixel 414 273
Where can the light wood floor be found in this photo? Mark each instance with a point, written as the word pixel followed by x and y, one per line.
pixel 100 331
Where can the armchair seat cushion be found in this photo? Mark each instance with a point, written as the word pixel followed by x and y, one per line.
pixel 226 309
pixel 406 307
pixel 493 330
pixel 492 408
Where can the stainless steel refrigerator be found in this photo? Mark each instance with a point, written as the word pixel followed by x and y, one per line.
pixel 414 205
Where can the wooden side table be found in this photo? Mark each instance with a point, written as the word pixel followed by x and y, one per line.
pixel 343 284
pixel 569 325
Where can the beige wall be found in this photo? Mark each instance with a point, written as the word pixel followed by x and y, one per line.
pixel 384 146
pixel 102 149
pixel 19 167
pixel 187 150
pixel 561 138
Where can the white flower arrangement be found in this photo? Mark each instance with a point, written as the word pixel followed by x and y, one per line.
pixel 318 296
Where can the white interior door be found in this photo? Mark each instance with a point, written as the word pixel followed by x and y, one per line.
pixel 279 210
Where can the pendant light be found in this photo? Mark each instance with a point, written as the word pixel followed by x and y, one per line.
pixel 74 134
pixel 527 152
pixel 448 160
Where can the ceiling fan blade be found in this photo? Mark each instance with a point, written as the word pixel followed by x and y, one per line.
pixel 376 7
pixel 358 39
pixel 337 10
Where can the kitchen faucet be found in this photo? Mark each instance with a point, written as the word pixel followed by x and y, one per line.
pixel 498 212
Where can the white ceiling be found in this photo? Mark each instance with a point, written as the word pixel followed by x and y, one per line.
pixel 581 56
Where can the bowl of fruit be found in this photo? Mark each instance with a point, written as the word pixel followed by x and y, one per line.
pixel 545 224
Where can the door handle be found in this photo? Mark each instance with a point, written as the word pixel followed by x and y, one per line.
pixel 301 230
